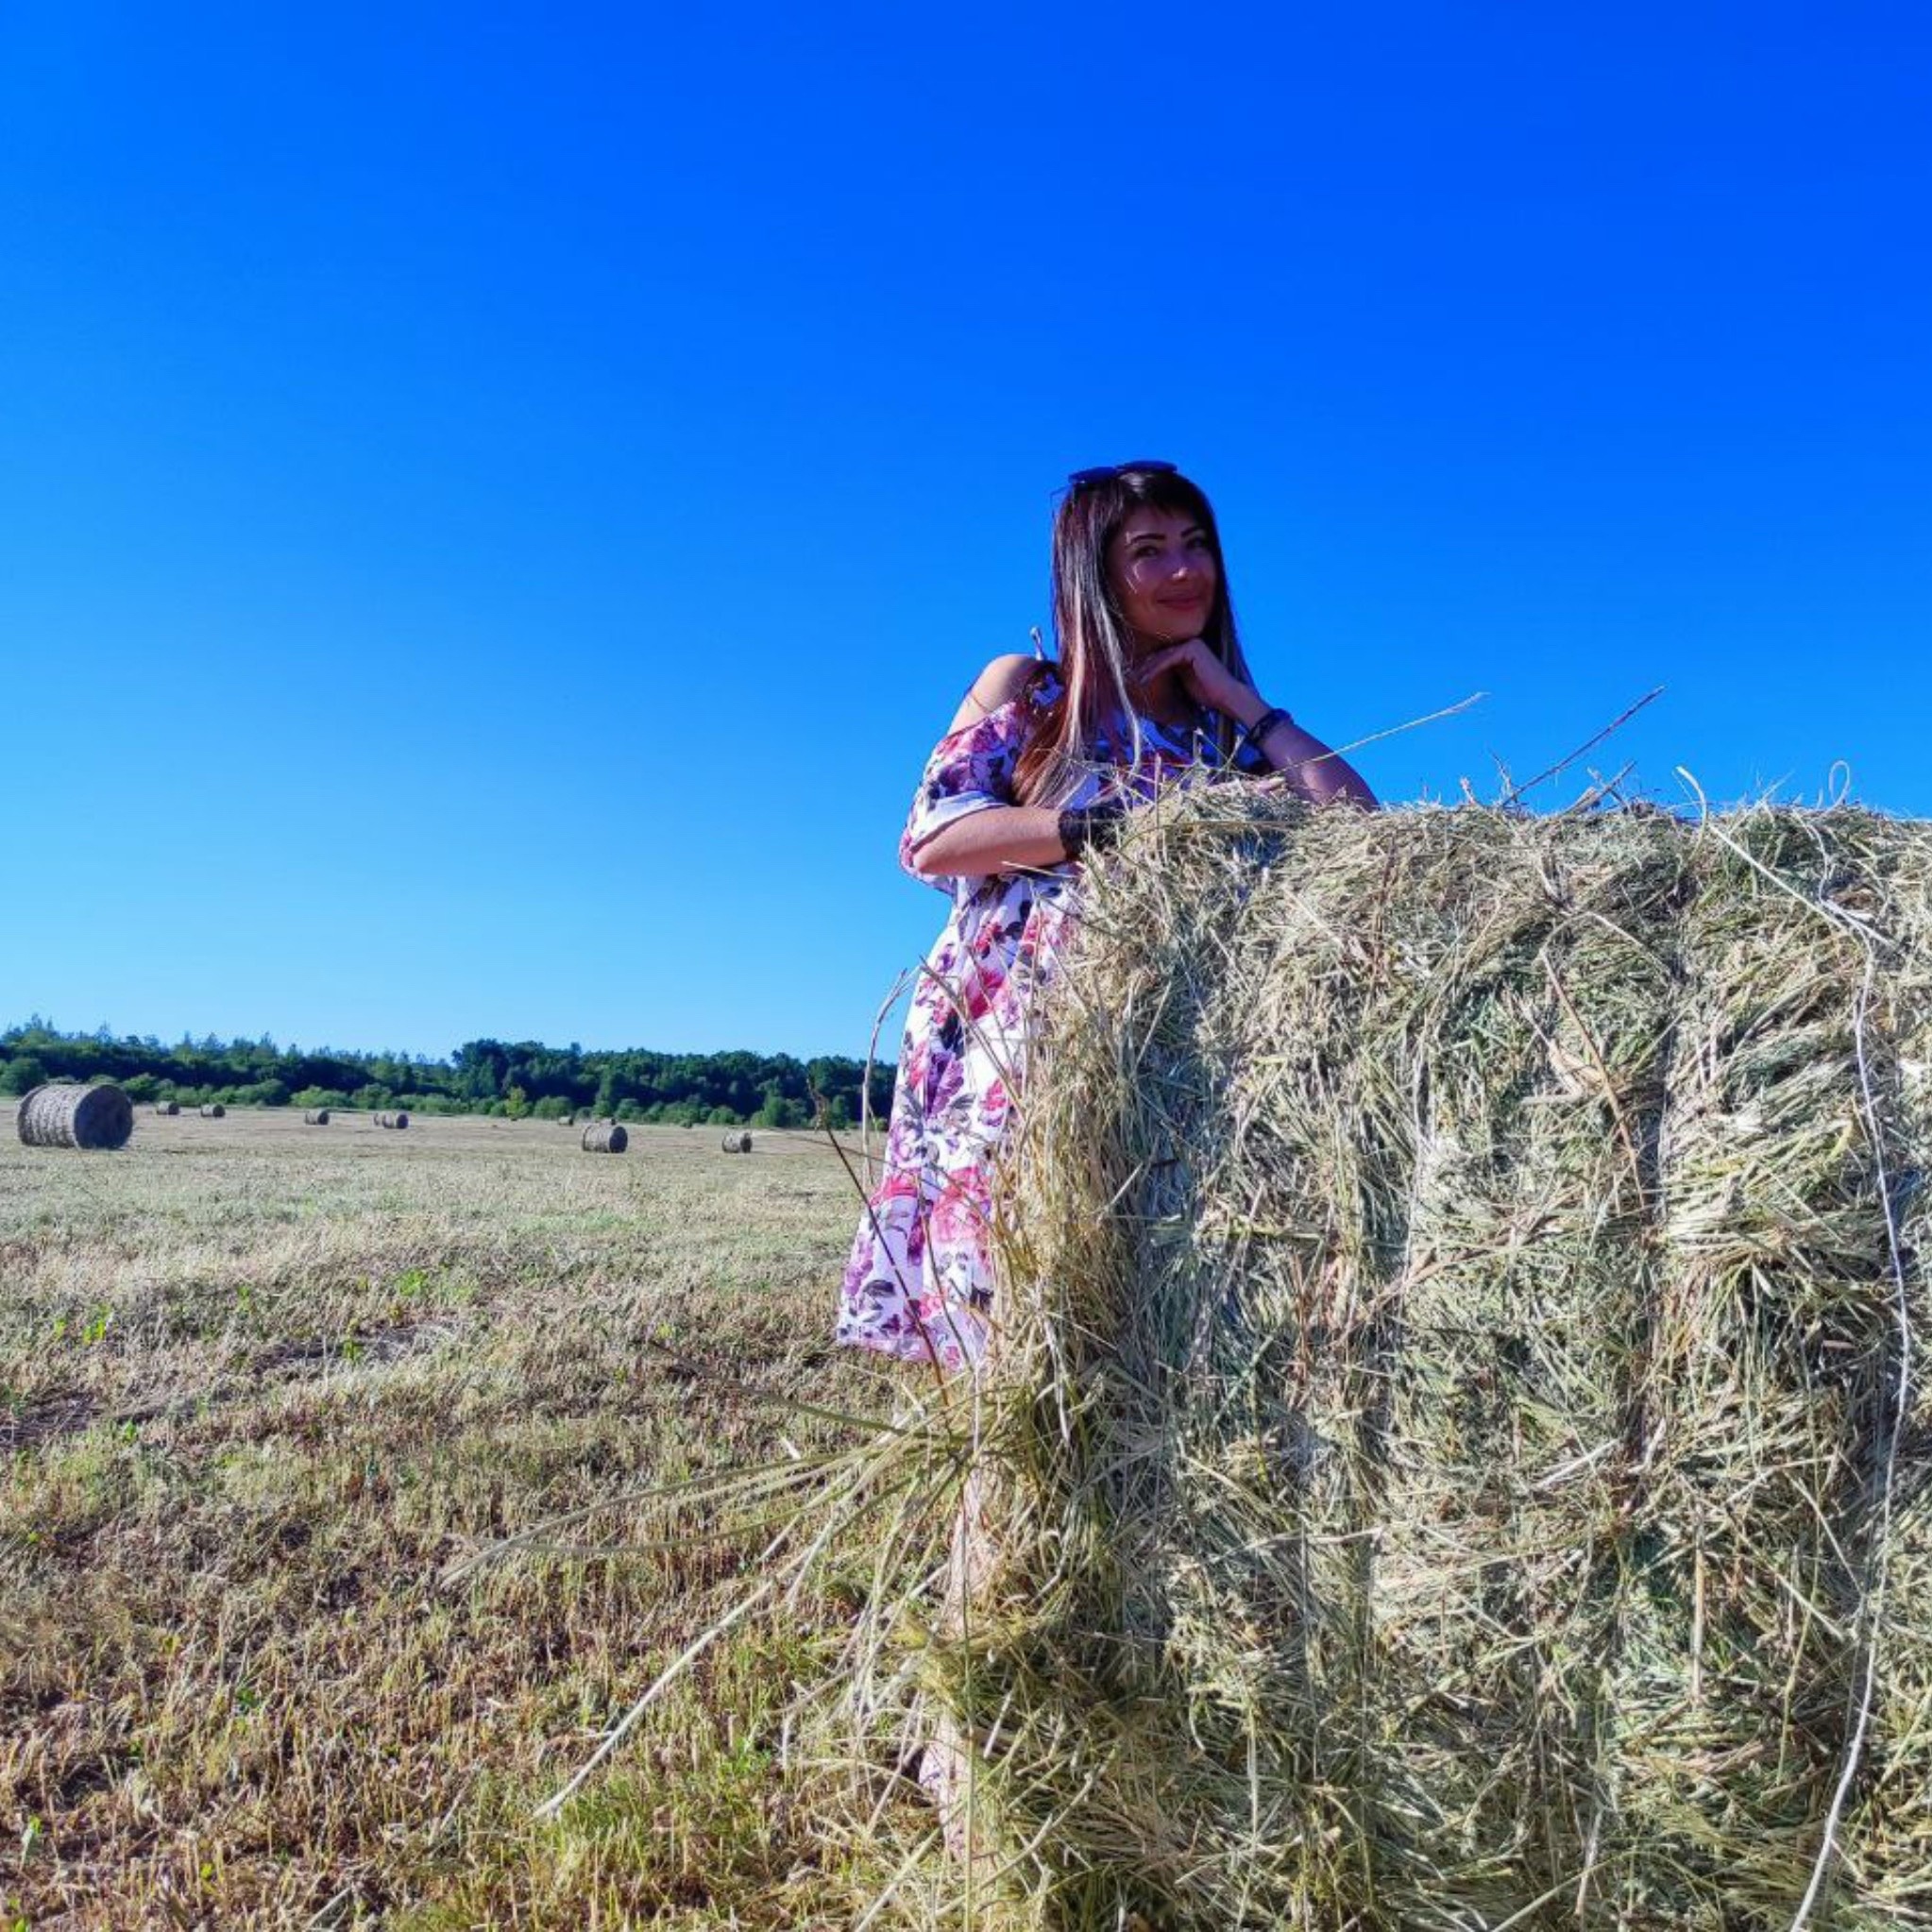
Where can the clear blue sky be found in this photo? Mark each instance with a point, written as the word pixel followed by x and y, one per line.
pixel 496 504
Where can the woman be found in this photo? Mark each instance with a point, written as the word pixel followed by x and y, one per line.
pixel 1036 770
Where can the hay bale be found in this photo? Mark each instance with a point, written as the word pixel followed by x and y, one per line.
pixel 386 1119
pixel 214 1111
pixel 1451 1453
pixel 604 1137
pixel 315 1116
pixel 738 1141
pixel 62 1113
pixel 167 1109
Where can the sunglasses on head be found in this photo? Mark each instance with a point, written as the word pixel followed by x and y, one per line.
pixel 1146 465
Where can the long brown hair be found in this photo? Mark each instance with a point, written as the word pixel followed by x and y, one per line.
pixel 1095 656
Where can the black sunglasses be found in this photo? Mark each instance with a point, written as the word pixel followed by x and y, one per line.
pixel 1146 465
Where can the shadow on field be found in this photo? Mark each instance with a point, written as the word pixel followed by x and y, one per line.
pixel 68 1414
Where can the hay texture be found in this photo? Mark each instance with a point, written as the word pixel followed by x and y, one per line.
pixel 386 1119
pixel 315 1116
pixel 168 1110
pixel 604 1137
pixel 737 1142
pixel 1458 1451
pixel 63 1114
pixel 214 1110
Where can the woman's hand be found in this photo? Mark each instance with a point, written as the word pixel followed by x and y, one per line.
pixel 1206 679
pixel 1302 763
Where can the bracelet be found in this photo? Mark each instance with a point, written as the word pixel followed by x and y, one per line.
pixel 1094 827
pixel 1262 726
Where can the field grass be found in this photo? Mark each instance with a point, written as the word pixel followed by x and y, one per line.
pixel 260 1384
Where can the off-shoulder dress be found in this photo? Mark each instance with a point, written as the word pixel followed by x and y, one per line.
pixel 919 1286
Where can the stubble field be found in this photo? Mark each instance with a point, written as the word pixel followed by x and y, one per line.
pixel 262 1384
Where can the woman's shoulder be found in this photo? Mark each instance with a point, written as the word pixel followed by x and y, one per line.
pixel 1008 679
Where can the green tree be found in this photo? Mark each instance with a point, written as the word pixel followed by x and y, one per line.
pixel 21 1074
pixel 778 1110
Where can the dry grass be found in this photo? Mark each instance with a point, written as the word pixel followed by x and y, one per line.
pixel 1454 1457
pixel 258 1387
pixel 1452 1460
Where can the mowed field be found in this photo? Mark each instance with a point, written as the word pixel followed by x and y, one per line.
pixel 262 1385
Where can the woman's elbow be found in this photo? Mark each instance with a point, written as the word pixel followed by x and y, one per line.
pixel 936 869
pixel 927 861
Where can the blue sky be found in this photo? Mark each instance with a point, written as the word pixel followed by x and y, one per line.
pixel 495 510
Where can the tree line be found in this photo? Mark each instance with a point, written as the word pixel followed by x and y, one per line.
pixel 523 1079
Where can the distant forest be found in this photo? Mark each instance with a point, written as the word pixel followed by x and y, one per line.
pixel 484 1077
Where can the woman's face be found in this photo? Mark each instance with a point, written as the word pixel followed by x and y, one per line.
pixel 1161 568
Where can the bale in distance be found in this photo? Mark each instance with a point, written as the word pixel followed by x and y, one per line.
pixel 737 1142
pixel 63 1114
pixel 604 1137
pixel 1463 1377
pixel 386 1119
pixel 214 1111
pixel 315 1116
pixel 167 1109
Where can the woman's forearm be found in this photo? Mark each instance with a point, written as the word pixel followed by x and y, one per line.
pixel 1006 839
pixel 998 840
pixel 1311 769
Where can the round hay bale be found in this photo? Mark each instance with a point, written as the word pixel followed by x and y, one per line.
pixel 315 1116
pixel 737 1142
pixel 65 1114
pixel 214 1111
pixel 167 1109
pixel 1438 1348
pixel 386 1119
pixel 605 1138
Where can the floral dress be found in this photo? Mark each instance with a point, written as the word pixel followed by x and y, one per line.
pixel 919 1286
